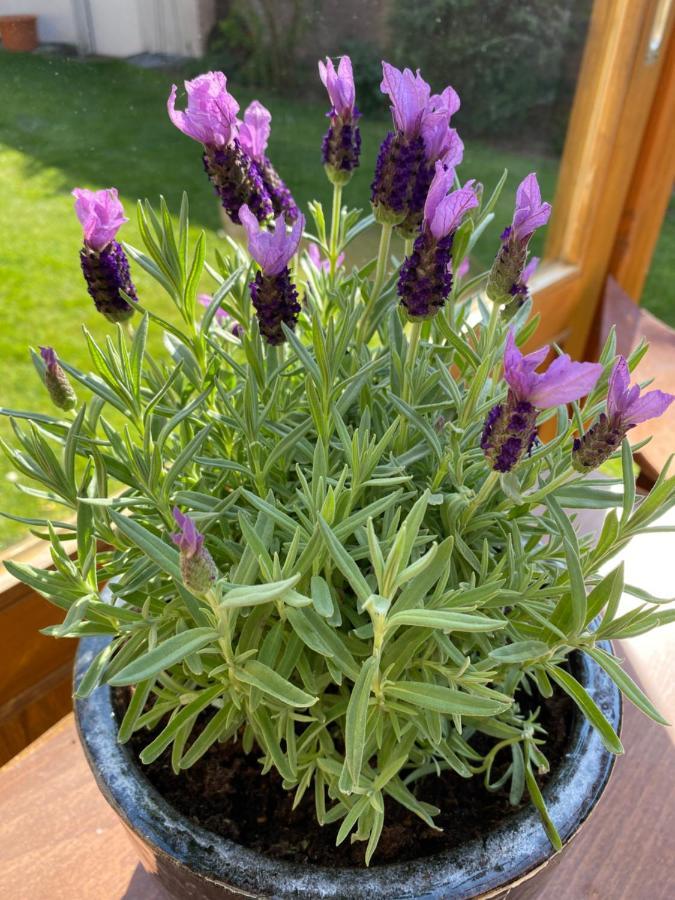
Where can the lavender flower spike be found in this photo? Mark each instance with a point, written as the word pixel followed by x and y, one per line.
pixel 405 165
pixel 506 284
pixel 510 427
pixel 196 563
pixel 58 386
pixel 274 295
pixel 104 264
pixel 254 133
pixel 426 275
pixel 625 409
pixel 341 145
pixel 211 119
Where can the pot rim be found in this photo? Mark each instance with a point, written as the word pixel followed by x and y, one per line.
pixel 506 855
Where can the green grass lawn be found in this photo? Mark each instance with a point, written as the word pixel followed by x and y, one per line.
pixel 66 123
pixel 658 295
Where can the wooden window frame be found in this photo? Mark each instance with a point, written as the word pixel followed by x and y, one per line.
pixel 624 96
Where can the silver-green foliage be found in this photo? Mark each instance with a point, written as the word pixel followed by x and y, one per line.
pixel 383 599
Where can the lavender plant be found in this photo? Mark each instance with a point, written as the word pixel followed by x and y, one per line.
pixel 326 524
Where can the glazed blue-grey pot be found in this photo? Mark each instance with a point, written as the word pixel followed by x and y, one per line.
pixel 511 859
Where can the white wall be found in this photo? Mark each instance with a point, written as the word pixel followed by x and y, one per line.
pixel 121 27
pixel 56 19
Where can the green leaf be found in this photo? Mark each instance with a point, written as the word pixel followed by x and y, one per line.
pixel 269 682
pixel 184 717
pixel 253 595
pixel 626 684
pixel 444 700
pixel 164 655
pixel 588 707
pixel 607 593
pixel 154 547
pixel 538 800
pixel 357 717
pixel 319 636
pixel 628 480
pixel 321 596
pixel 520 652
pixel 445 620
pixel 344 562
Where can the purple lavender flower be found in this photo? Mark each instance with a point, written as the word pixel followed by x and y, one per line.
pixel 506 284
pixel 405 164
pixel 426 275
pixel 510 427
pixel 274 295
pixel 196 563
pixel 211 119
pixel 625 409
pixel 104 264
pixel 341 146
pixel 254 133
pixel 58 386
pixel 321 263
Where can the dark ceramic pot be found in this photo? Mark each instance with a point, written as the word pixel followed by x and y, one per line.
pixel 192 862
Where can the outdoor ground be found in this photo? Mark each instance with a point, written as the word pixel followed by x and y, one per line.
pixel 67 123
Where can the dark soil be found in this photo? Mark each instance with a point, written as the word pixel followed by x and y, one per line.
pixel 225 792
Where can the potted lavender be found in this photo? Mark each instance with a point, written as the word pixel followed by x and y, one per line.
pixel 344 586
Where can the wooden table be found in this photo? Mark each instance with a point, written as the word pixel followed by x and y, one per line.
pixel 59 840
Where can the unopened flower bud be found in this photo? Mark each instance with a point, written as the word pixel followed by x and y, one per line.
pixel 56 381
pixel 197 567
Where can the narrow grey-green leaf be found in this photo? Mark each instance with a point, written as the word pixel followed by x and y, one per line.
pixel 164 655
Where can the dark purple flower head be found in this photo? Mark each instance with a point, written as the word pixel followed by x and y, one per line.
pixel 237 179
pixel 626 407
pixel 510 427
pixel 58 386
pixel 405 165
pixel 211 114
pixel 272 250
pixel 274 295
pixel 341 145
pixel 507 282
pixel 109 281
pixel 340 86
pixel 101 215
pixel 196 563
pixel 426 275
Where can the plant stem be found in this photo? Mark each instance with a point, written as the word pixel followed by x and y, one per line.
pixel 485 490
pixel 380 274
pixel 408 372
pixel 408 246
pixel 335 229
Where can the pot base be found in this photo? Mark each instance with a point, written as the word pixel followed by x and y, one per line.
pixel 193 862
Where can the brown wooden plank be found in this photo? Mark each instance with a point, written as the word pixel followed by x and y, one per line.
pixel 650 189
